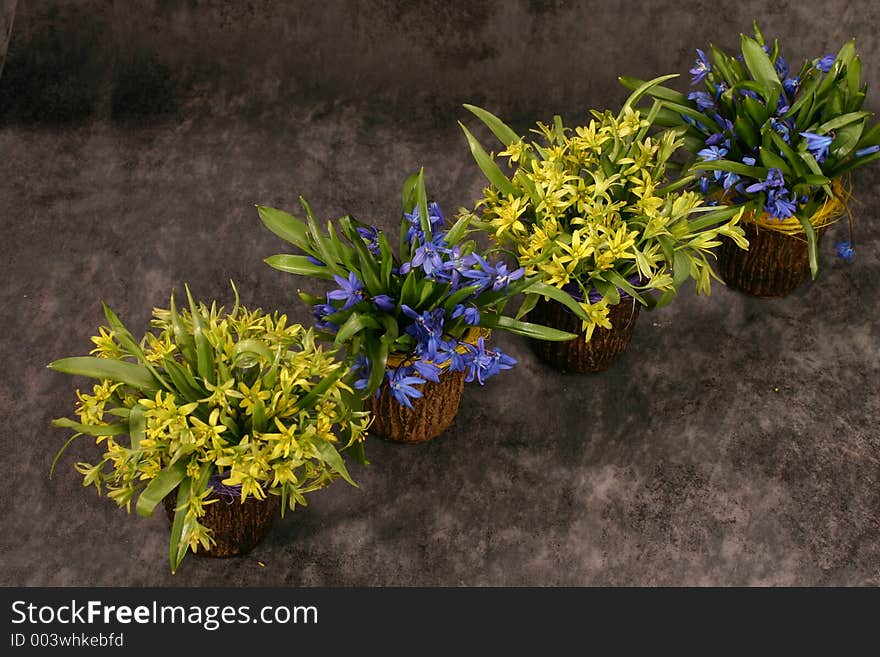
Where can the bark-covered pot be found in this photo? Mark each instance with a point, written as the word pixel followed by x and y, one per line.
pixel 579 356
pixel 775 264
pixel 431 414
pixel 236 527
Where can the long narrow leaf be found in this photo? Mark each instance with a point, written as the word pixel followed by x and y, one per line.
pixel 487 164
pixel 131 374
pixel 162 484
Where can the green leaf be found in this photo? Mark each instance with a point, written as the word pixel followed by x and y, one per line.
pixel 131 374
pixel 771 159
pixel 458 230
pixel 681 268
pixel 556 294
pixel 162 484
pixel 297 264
pixel 608 291
pixel 204 352
pixel 377 352
pixel 762 69
pixel 285 226
pixel 796 163
pixel 846 139
pixel 840 121
pixel 458 296
pixel 137 425
pixel 307 402
pixel 324 254
pixel 409 192
pixel 625 285
pixel 61 451
pixel 643 88
pixel 505 135
pixel 527 305
pixel 387 262
pixel 333 459
pixel 487 164
pixel 354 324
pixel 182 337
pixel 812 243
pixel 656 91
pixel 369 269
pixel 184 383
pixel 92 429
pixel 527 329
pixel 422 199
pixel 251 351
pixel 746 130
pixel 757 173
pixel 122 334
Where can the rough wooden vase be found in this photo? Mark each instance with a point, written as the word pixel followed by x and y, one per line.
pixel 431 414
pixel 236 528
pixel 774 265
pixel 579 356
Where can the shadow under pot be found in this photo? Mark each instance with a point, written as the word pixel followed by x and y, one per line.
pixel 579 356
pixel 236 527
pixel 775 264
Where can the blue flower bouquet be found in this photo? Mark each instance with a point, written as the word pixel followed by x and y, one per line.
pixel 779 142
pixel 414 321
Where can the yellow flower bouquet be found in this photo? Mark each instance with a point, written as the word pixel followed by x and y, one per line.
pixel 592 212
pixel 221 417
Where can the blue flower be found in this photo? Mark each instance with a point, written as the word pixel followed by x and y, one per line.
pixel 781 66
pixel 774 180
pixel 782 129
pixel 704 185
pixel 845 251
pixel 749 161
pixel 727 178
pixel 426 329
pixel 427 370
pixel 470 313
pixel 370 235
pixel 701 68
pixel 429 256
pixel 361 366
pixel 825 63
pixel 486 363
pixel 454 264
pixel 817 145
pixel 350 290
pixel 435 220
pixel 320 312
pixel 750 94
pixel 400 383
pixel 870 150
pixel 791 85
pixel 458 362
pixel 717 138
pixel 503 277
pixel 712 153
pixel 779 205
pixel 703 100
pixel 315 261
pixel 692 121
pixel 384 302
pixel 720 88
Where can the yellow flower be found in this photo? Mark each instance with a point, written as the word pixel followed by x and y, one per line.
pixel 598 316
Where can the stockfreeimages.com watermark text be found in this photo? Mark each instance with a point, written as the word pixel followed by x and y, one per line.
pixel 209 617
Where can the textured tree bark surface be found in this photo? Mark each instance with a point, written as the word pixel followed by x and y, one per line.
pixel 579 356
pixel 430 416
pixel 237 528
pixel 774 265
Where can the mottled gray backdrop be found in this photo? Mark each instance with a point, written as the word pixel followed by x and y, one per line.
pixel 735 443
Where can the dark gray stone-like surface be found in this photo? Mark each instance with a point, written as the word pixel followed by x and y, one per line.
pixel 735 443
